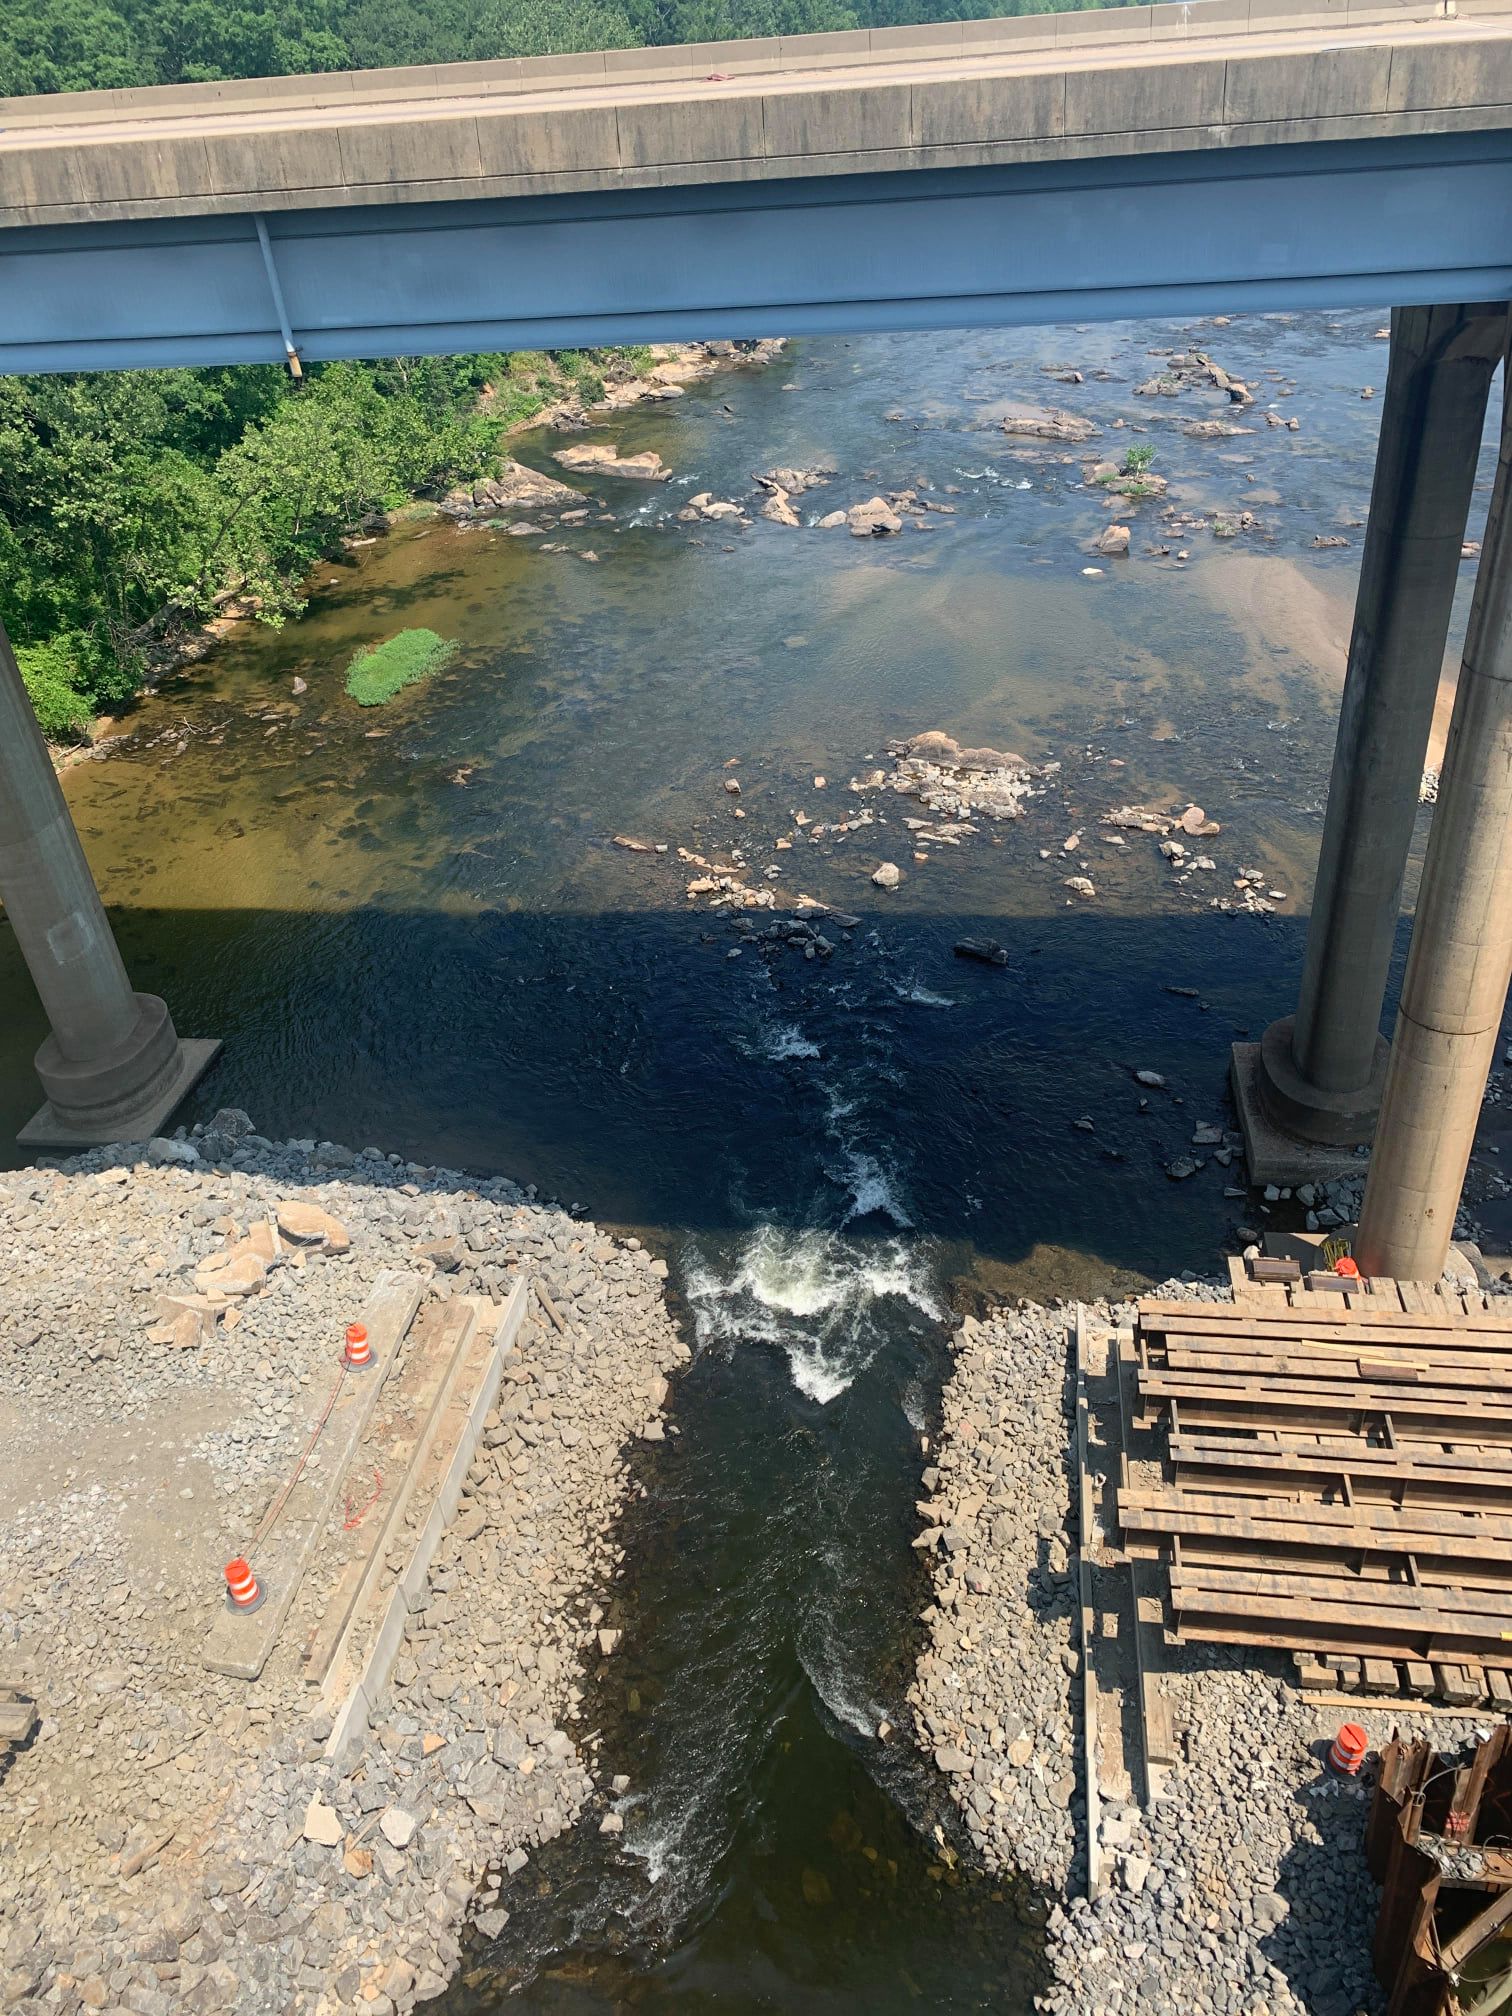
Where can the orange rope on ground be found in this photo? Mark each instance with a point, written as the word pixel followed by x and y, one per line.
pixel 271 1515
pixel 356 1518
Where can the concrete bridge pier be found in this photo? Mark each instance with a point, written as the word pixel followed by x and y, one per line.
pixel 1310 1090
pixel 1459 965
pixel 113 1067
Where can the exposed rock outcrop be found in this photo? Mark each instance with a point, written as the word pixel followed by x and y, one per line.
pixel 604 460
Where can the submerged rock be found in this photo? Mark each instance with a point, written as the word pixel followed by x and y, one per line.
pixel 1047 423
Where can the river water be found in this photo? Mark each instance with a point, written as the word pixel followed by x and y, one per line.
pixel 411 928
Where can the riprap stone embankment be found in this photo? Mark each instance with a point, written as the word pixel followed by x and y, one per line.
pixel 175 1840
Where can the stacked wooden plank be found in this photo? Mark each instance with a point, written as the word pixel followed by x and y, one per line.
pixel 1338 1482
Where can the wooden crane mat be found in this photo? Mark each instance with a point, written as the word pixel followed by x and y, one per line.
pixel 1337 1480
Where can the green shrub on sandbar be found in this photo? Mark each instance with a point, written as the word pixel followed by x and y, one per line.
pixel 377 675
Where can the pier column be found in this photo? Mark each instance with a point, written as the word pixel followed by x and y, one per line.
pixel 113 1067
pixel 1459 964
pixel 1310 1091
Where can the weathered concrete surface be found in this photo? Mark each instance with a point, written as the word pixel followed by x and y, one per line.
pixel 112 1066
pixel 1319 1075
pixel 1460 962
pixel 1211 75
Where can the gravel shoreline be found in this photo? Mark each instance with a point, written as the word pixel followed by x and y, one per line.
pixel 1244 1890
pixel 173 1840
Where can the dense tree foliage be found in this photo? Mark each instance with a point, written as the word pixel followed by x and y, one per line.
pixel 80 45
pixel 131 503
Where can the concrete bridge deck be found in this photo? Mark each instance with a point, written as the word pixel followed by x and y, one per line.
pixel 1213 75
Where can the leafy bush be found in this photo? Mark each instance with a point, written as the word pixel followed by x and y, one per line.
pixel 1138 458
pixel 377 675
pixel 55 676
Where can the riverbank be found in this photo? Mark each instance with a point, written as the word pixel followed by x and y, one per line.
pixel 172 1839
pixel 539 393
pixel 1243 1889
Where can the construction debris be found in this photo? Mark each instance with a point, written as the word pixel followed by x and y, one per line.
pixel 1440 1845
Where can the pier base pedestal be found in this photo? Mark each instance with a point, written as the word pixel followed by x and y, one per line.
pixel 1270 1153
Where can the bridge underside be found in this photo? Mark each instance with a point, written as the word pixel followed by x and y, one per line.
pixel 1337 224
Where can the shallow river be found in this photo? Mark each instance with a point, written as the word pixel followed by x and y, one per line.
pixel 410 928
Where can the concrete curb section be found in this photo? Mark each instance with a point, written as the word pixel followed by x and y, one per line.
pixel 240 1641
pixel 353 1716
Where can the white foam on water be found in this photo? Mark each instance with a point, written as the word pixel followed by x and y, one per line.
pixel 918 995
pixel 872 1191
pixel 829 1683
pixel 787 1040
pixel 809 1294
pixel 913 1406
pixel 837 1107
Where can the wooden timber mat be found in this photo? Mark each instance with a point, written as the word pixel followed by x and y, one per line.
pixel 1336 1479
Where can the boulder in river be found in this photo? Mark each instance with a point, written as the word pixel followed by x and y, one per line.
pixel 604 460
pixel 779 510
pixel 875 519
pixel 987 950
pixel 795 481
pixel 888 875
pixel 1047 423
pixel 1112 539
pixel 514 486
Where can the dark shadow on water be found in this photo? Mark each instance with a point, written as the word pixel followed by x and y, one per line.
pixel 625 1061
pixel 775 1855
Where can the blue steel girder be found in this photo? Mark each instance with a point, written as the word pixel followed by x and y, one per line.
pixel 1336 224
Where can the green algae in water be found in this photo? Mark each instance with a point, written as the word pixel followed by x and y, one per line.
pixel 377 675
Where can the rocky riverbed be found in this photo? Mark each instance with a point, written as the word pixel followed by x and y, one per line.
pixel 1244 1888
pixel 170 1839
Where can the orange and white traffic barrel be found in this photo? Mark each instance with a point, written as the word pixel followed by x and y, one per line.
pixel 243 1590
pixel 1346 1753
pixel 359 1353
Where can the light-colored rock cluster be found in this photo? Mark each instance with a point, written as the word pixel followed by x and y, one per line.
pixel 515 487
pixel 962 784
pixel 175 1840
pixel 603 459
pixel 1184 370
pixel 1047 423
